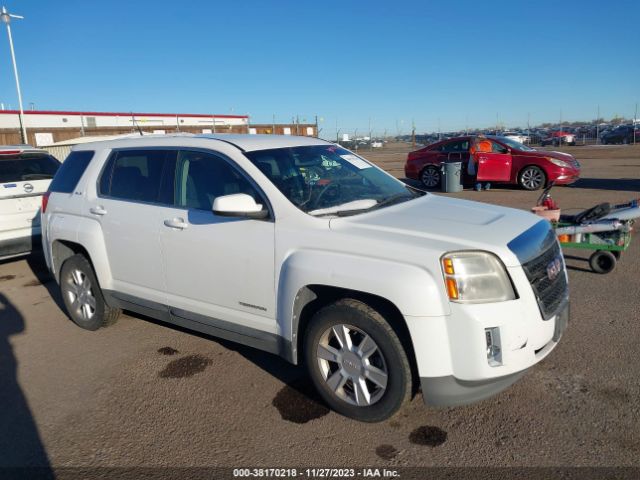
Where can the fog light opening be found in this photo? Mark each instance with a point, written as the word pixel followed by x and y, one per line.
pixel 494 350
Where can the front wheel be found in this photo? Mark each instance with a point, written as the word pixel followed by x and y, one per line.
pixel 82 295
pixel 356 361
pixel 430 176
pixel 532 178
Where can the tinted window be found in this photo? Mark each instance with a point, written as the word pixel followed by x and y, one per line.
pixel 136 175
pixel 27 166
pixel 497 148
pixel 456 146
pixel 201 177
pixel 70 172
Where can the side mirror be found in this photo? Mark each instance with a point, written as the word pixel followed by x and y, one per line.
pixel 239 205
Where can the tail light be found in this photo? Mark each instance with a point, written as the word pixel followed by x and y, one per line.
pixel 45 201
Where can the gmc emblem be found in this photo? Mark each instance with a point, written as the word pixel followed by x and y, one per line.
pixel 554 268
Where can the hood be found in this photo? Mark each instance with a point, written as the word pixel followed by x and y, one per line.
pixel 444 224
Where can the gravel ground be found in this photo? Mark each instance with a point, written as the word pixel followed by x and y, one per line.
pixel 144 394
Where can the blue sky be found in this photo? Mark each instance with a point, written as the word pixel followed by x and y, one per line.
pixel 446 63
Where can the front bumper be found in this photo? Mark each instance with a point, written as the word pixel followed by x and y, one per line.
pixel 449 391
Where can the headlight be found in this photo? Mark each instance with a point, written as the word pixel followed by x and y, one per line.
pixel 476 277
pixel 560 163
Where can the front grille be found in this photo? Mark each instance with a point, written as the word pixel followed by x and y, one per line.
pixel 550 294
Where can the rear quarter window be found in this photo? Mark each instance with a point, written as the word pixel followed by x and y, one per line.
pixel 70 172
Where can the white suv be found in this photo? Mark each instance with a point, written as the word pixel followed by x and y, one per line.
pixel 298 247
pixel 25 174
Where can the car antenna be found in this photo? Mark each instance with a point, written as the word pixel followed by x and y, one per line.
pixel 135 124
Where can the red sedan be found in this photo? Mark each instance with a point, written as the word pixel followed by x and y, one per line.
pixel 499 160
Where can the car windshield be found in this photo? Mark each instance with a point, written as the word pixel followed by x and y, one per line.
pixel 27 166
pixel 329 180
pixel 510 142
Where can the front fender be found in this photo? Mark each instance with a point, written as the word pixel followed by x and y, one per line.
pixel 414 290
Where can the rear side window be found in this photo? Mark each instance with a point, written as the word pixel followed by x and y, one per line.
pixel 139 175
pixel 456 146
pixel 70 172
pixel 24 167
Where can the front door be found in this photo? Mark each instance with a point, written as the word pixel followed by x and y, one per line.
pixel 494 165
pixel 219 268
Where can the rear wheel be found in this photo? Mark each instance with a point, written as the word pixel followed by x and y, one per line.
pixel 430 176
pixel 82 295
pixel 356 361
pixel 602 261
pixel 532 178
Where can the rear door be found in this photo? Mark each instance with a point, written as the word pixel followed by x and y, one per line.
pixel 494 166
pixel 24 177
pixel 133 187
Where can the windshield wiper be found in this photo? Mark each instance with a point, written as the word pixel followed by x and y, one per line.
pixel 36 176
pixel 393 199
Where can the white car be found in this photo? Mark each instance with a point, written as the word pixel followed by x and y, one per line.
pixel 299 247
pixel 518 137
pixel 25 174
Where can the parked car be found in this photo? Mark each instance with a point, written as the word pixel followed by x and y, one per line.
pixel 508 162
pixel 25 174
pixel 299 247
pixel 559 138
pixel 518 137
pixel 622 134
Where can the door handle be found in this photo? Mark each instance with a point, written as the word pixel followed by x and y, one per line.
pixel 98 210
pixel 177 223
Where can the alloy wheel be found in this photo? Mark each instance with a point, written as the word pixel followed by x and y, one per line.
pixel 532 178
pixel 430 177
pixel 80 294
pixel 352 365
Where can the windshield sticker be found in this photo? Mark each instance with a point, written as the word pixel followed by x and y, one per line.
pixel 355 161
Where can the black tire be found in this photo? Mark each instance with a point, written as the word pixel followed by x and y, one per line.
pixel 90 311
pixel 602 261
pixel 430 177
pixel 532 178
pixel 390 356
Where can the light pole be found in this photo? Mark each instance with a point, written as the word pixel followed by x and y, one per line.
pixel 6 18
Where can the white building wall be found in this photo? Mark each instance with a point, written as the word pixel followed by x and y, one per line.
pixel 76 120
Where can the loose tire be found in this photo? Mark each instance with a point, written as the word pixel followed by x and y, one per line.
pixel 356 361
pixel 82 296
pixel 602 261
pixel 532 178
pixel 430 177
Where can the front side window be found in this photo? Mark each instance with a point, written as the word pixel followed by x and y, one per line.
pixel 201 177
pixel 328 180
pixel 138 175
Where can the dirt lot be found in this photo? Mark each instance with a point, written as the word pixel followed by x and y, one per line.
pixel 142 393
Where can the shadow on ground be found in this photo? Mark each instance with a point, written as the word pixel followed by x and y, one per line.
pixel 618 184
pixel 22 453
pixel 39 268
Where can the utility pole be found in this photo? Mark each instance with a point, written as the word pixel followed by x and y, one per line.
pixel 413 133
pixel 598 126
pixel 317 131
pixel 337 132
pixel 6 18
pixel 273 124
pixel 370 139
pixel 635 121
